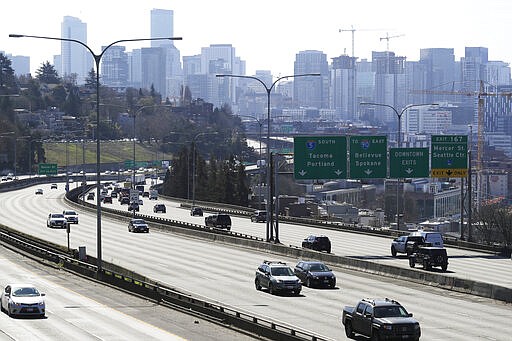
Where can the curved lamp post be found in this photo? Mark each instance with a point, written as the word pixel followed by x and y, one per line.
pixel 399 139
pixel 268 90
pixel 97 60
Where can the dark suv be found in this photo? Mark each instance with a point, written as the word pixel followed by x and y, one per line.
pixel 429 256
pixel 222 221
pixel 196 211
pixel 277 277
pixel 380 319
pixel 317 243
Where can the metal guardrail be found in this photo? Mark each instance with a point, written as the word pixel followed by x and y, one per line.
pixel 151 289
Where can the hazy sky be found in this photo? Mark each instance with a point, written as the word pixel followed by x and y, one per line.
pixel 267 34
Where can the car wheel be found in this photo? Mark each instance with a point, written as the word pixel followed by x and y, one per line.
pixel 426 265
pixel 375 335
pixel 297 293
pixel 308 283
pixel 271 289
pixel 257 285
pixel 393 251
pixel 444 267
pixel 348 329
pixel 41 316
pixel 412 263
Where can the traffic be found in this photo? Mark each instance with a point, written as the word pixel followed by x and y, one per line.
pixel 225 272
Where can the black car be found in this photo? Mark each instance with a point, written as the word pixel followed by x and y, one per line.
pixel 429 256
pixel 259 216
pixel 196 211
pixel 107 200
pixel 222 221
pixel 125 201
pixel 317 243
pixel 138 225
pixel 315 274
pixel 133 207
pixel 159 208
pixel 90 196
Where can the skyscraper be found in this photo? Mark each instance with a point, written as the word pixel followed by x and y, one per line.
pixel 311 91
pixel 162 21
pixel 170 81
pixel 75 59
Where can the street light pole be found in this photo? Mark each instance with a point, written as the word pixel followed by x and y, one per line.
pixel 269 176
pixel 97 60
pixel 399 142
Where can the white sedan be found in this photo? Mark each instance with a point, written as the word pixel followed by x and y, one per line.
pixel 22 299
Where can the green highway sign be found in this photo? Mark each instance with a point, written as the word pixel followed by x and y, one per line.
pixel 128 164
pixel 47 169
pixel 408 162
pixel 449 156
pixel 320 157
pixel 368 157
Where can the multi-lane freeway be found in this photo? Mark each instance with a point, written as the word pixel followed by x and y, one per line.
pixel 225 273
pixel 79 309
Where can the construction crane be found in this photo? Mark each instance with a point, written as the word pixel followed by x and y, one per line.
pixel 353 30
pixel 481 94
pixel 387 37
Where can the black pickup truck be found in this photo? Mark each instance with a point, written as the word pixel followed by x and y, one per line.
pixel 380 319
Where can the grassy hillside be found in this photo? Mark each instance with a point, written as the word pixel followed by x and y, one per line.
pixel 111 151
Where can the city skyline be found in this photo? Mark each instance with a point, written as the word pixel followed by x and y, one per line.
pixel 293 26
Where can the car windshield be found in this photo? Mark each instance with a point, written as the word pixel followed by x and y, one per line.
pixel 281 271
pixel 390 311
pixel 70 213
pixel 318 267
pixel 57 216
pixel 25 292
pixel 138 221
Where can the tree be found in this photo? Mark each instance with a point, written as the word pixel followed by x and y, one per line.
pixel 72 104
pixel 7 78
pixel 47 74
pixel 90 81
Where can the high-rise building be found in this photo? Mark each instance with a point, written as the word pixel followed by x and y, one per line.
pixel 20 64
pixel 162 25
pixel 390 83
pixel 114 67
pixel 341 90
pixel 439 67
pixel 311 91
pixel 221 59
pixel 75 59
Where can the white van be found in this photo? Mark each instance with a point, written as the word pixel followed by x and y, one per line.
pixel 432 237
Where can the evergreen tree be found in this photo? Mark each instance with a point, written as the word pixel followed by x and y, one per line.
pixel 90 81
pixel 242 188
pixel 47 74
pixel 7 79
pixel 72 104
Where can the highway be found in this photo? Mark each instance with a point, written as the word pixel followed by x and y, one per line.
pixel 462 263
pixel 226 273
pixel 79 309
